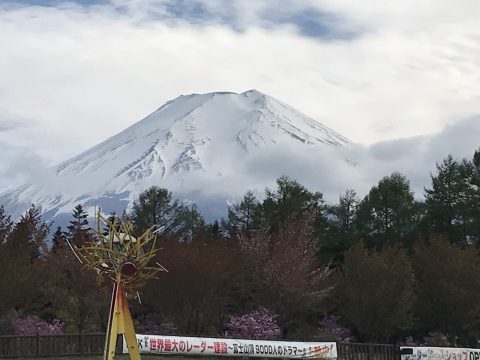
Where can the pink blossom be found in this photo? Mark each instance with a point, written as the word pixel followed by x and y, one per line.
pixel 33 325
pixel 260 324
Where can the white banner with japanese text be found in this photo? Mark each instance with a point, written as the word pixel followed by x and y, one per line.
pixel 438 353
pixel 180 345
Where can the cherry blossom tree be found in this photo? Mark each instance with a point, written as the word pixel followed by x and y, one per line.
pixel 33 325
pixel 260 324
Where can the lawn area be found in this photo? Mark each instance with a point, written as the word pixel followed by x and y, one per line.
pixel 117 357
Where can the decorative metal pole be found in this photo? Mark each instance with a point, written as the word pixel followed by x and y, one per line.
pixel 124 260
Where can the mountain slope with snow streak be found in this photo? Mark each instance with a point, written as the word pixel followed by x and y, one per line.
pixel 204 147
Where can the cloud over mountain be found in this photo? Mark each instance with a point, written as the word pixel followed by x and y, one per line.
pixel 211 148
pixel 215 146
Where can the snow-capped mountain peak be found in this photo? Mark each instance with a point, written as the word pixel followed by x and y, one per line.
pixel 205 139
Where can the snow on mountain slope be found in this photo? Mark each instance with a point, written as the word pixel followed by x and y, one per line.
pixel 208 148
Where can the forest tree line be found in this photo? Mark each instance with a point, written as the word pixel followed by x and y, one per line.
pixel 385 268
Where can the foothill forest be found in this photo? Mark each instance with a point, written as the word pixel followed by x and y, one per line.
pixel 388 267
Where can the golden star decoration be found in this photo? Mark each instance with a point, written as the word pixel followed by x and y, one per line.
pixel 120 256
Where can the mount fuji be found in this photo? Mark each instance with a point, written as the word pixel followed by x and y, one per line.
pixel 205 148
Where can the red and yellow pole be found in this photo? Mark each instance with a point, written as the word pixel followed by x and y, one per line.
pixel 120 322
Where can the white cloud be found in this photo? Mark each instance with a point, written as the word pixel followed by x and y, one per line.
pixel 356 167
pixel 85 73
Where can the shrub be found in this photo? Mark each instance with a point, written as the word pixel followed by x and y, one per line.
pixel 150 326
pixel 338 332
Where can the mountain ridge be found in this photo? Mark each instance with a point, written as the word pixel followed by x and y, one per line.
pixel 206 139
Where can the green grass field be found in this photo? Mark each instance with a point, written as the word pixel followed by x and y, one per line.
pixel 117 357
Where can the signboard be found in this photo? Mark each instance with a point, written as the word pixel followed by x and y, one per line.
pixel 438 353
pixel 179 345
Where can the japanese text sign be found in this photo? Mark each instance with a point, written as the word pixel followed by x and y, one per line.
pixel 178 345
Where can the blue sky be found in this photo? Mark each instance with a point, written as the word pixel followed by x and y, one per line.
pixel 73 74
pixel 310 21
pixel 50 2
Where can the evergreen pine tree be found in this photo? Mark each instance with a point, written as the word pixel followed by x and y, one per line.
pixel 291 201
pixel 156 206
pixel 21 257
pixel 215 229
pixel 111 220
pixel 244 217
pixel 474 200
pixel 341 230
pixel 5 225
pixel 58 240
pixel 447 200
pixel 78 230
pixel 192 225
pixel 387 213
pixel 30 232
